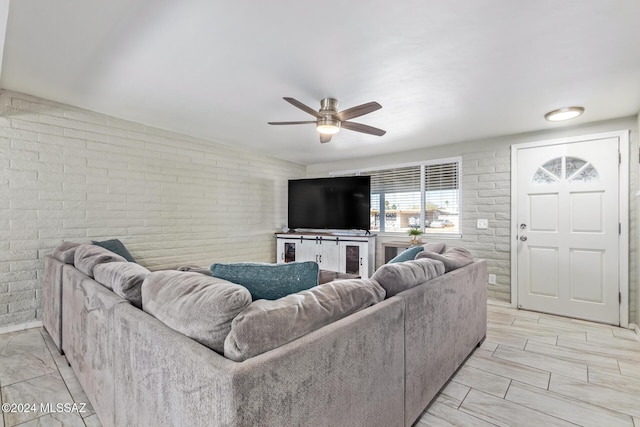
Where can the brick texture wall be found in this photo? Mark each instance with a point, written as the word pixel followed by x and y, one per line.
pixel 486 194
pixel 70 174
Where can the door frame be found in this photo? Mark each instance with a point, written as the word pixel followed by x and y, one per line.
pixel 623 209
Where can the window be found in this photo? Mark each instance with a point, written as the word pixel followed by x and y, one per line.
pixel 565 168
pixel 425 196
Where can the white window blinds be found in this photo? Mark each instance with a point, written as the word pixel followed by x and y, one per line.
pixel 424 196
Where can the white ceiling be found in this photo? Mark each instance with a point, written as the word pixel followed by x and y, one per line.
pixel 444 71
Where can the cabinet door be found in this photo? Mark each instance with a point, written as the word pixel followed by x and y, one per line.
pixel 329 258
pixel 286 250
pixel 306 250
pixel 354 258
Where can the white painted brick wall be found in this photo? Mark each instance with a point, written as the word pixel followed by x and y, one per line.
pixel 486 194
pixel 70 174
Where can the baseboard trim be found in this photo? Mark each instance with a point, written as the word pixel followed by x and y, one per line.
pixel 636 328
pixel 20 327
pixel 499 303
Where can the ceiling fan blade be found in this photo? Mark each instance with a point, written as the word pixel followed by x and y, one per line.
pixel 359 110
pixel 303 107
pixel 359 127
pixel 292 123
pixel 324 138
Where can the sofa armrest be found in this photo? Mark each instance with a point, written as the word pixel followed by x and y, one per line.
pixel 348 373
pixel 445 319
pixel 88 337
pixel 52 299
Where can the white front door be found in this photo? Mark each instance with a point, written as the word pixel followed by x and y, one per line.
pixel 568 229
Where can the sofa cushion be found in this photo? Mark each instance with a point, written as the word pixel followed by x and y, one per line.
pixel 66 252
pixel 435 247
pixel 117 247
pixel 406 255
pixel 398 277
pixel 201 270
pixel 88 256
pixel 452 259
pixel 269 281
pixel 198 306
pixel 123 278
pixel 266 325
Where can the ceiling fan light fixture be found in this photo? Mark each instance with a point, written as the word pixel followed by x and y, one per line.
pixel 565 113
pixel 328 126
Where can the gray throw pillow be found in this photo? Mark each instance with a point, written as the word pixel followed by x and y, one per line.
pixel 454 258
pixel 88 256
pixel 123 278
pixel 435 247
pixel 398 277
pixel 198 306
pixel 66 252
pixel 266 325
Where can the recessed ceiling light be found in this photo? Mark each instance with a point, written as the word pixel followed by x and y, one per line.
pixel 565 113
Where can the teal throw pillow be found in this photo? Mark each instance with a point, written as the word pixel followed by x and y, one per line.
pixel 407 255
pixel 269 281
pixel 117 247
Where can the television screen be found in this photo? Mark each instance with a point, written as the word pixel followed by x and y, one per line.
pixel 341 203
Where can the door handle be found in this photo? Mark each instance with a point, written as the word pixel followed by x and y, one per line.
pixel 523 238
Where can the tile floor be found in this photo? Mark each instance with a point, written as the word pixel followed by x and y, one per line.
pixel 542 370
pixel 32 372
pixel 533 370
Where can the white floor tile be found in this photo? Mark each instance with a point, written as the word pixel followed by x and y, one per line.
pixel 543 362
pixel 580 413
pixel 505 413
pixel 596 394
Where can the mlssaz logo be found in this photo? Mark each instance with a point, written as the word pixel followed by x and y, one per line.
pixel 77 408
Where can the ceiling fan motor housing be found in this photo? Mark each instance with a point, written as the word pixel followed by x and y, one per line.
pixel 328 124
pixel 329 105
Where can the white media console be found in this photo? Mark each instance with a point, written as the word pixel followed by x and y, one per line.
pixel 340 252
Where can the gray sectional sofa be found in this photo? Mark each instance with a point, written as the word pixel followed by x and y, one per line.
pixel 378 364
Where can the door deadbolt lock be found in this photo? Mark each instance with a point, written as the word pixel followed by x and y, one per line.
pixel 523 226
pixel 523 238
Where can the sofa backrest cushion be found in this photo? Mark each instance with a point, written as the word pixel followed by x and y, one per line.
pixel 117 247
pixel 435 247
pixel 198 306
pixel 406 255
pixel 269 281
pixel 88 256
pixel 201 270
pixel 66 252
pixel 398 277
pixel 266 324
pixel 453 258
pixel 123 278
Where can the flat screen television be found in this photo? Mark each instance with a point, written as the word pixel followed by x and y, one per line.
pixel 339 203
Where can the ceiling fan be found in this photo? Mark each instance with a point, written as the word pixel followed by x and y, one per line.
pixel 329 120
